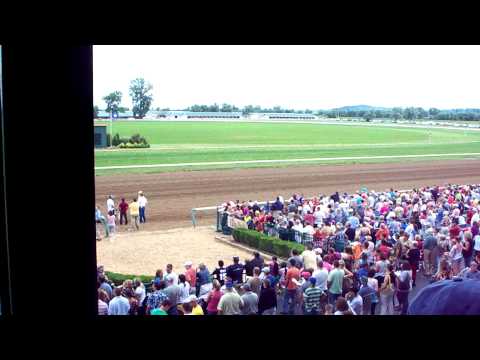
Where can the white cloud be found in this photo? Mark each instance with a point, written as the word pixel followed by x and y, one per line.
pixel 314 77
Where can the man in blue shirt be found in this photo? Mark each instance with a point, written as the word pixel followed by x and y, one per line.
pixel 99 218
pixel 363 271
pixel 235 271
pixel 354 222
pixel 119 305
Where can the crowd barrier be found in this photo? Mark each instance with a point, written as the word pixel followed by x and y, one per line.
pixel 227 223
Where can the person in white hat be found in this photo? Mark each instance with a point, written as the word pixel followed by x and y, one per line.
pixel 190 274
pixel 475 217
pixel 110 204
pixel 193 301
pixel 142 203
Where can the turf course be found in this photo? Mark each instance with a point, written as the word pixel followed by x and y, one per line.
pixel 192 142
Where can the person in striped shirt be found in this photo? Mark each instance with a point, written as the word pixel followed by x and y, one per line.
pixel 311 298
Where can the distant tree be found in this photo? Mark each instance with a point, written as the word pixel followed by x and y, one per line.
pixel 369 115
pixel 409 113
pixel 113 101
pixel 420 113
pixel 122 109
pixel 248 109
pixel 214 108
pixel 226 108
pixel 433 112
pixel 397 113
pixel 141 97
pixel 95 112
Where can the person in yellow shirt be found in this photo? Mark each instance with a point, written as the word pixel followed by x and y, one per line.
pixel 193 302
pixel 134 212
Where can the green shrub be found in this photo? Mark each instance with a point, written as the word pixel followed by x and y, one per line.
pixel 266 243
pixel 116 140
pixel 118 279
pixel 134 142
pixel 137 139
pixel 129 145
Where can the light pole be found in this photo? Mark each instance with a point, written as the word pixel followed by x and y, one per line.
pixel 112 115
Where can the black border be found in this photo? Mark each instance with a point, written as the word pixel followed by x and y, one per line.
pixel 48 107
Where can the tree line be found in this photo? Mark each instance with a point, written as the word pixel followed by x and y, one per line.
pixel 409 113
pixel 396 113
pixel 141 96
pixel 248 109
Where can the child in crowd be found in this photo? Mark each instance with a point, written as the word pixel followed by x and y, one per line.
pixel 111 222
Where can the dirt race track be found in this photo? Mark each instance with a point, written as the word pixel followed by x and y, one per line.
pixel 171 196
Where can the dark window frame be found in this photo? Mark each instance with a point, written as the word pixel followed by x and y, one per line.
pixel 49 160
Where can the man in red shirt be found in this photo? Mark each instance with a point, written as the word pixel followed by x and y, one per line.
pixel 455 229
pixel 123 207
pixel 382 233
pixel 384 249
pixel 293 275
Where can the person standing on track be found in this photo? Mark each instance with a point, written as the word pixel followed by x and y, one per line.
pixel 142 202
pixel 123 208
pixel 134 212
pixel 110 204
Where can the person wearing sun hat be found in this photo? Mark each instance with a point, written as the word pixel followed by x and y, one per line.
pixel 190 274
pixel 142 203
pixel 193 301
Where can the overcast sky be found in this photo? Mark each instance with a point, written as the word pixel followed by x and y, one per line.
pixel 298 77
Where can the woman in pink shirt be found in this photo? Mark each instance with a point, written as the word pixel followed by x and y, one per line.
pixel 214 298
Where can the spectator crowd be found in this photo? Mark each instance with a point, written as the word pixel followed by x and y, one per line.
pixel 362 255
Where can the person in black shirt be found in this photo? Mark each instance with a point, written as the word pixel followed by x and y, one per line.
pixel 220 272
pixel 268 299
pixel 257 261
pixel 350 232
pixel 235 271
pixel 278 204
pixel 248 268
pixel 335 197
pixel 413 256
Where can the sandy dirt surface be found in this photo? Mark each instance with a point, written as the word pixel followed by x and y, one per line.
pixel 171 196
pixel 143 252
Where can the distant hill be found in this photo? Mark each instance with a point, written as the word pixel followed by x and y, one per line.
pixel 360 108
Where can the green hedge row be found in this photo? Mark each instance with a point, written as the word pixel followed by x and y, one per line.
pixel 129 145
pixel 135 141
pixel 118 279
pixel 266 243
